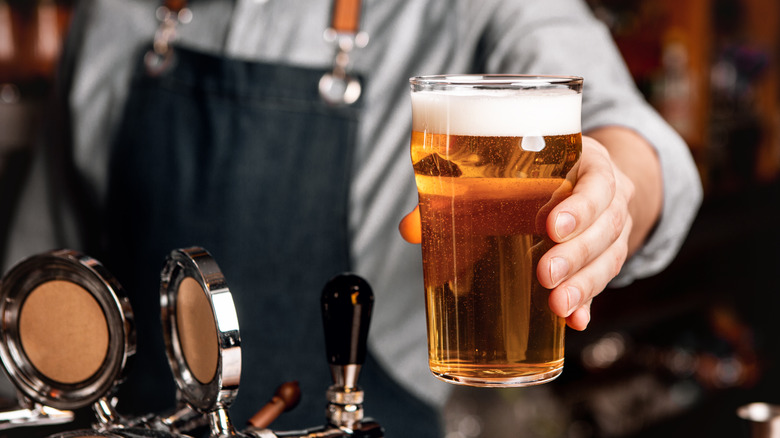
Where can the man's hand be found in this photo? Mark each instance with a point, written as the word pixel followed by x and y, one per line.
pixel 615 203
pixel 591 228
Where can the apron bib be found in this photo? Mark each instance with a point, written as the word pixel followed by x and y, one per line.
pixel 246 160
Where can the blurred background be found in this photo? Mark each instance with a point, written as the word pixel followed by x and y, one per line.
pixel 673 355
pixel 31 36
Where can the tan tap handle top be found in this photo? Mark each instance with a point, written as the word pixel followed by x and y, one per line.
pixel 287 396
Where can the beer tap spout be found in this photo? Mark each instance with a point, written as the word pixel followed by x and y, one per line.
pixel 220 424
pixel 347 302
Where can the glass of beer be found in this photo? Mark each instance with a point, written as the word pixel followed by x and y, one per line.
pixel 492 155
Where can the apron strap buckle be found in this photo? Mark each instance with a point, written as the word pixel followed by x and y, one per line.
pixel 170 14
pixel 337 87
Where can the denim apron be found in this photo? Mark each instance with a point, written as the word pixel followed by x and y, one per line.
pixel 246 160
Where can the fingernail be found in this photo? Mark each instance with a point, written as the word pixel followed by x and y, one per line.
pixel 574 298
pixel 559 269
pixel 564 224
pixel 587 316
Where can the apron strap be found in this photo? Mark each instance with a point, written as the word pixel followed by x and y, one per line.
pixel 345 16
pixel 337 87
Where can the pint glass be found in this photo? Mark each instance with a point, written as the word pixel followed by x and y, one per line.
pixel 492 155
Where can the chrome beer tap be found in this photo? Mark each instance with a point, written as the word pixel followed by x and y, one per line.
pixel 199 321
pixel 347 302
pixel 192 276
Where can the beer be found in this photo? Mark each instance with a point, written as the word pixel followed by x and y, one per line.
pixel 489 167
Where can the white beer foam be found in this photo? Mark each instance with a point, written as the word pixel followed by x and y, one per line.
pixel 497 112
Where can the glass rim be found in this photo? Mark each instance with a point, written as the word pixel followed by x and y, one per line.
pixel 494 80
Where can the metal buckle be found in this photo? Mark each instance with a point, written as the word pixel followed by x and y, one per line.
pixel 170 14
pixel 337 87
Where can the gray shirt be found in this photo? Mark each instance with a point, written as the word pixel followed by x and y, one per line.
pixel 407 38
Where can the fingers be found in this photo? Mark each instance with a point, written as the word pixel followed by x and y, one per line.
pixel 593 242
pixel 571 298
pixel 580 318
pixel 592 227
pixel 411 227
pixel 592 194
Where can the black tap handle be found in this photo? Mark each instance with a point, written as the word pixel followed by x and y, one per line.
pixel 347 301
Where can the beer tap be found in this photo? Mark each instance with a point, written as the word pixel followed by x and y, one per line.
pixel 197 305
pixel 203 347
pixel 347 302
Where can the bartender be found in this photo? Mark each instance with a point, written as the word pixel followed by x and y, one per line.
pixel 223 139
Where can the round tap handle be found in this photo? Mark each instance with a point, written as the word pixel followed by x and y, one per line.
pixel 347 301
pixel 287 396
